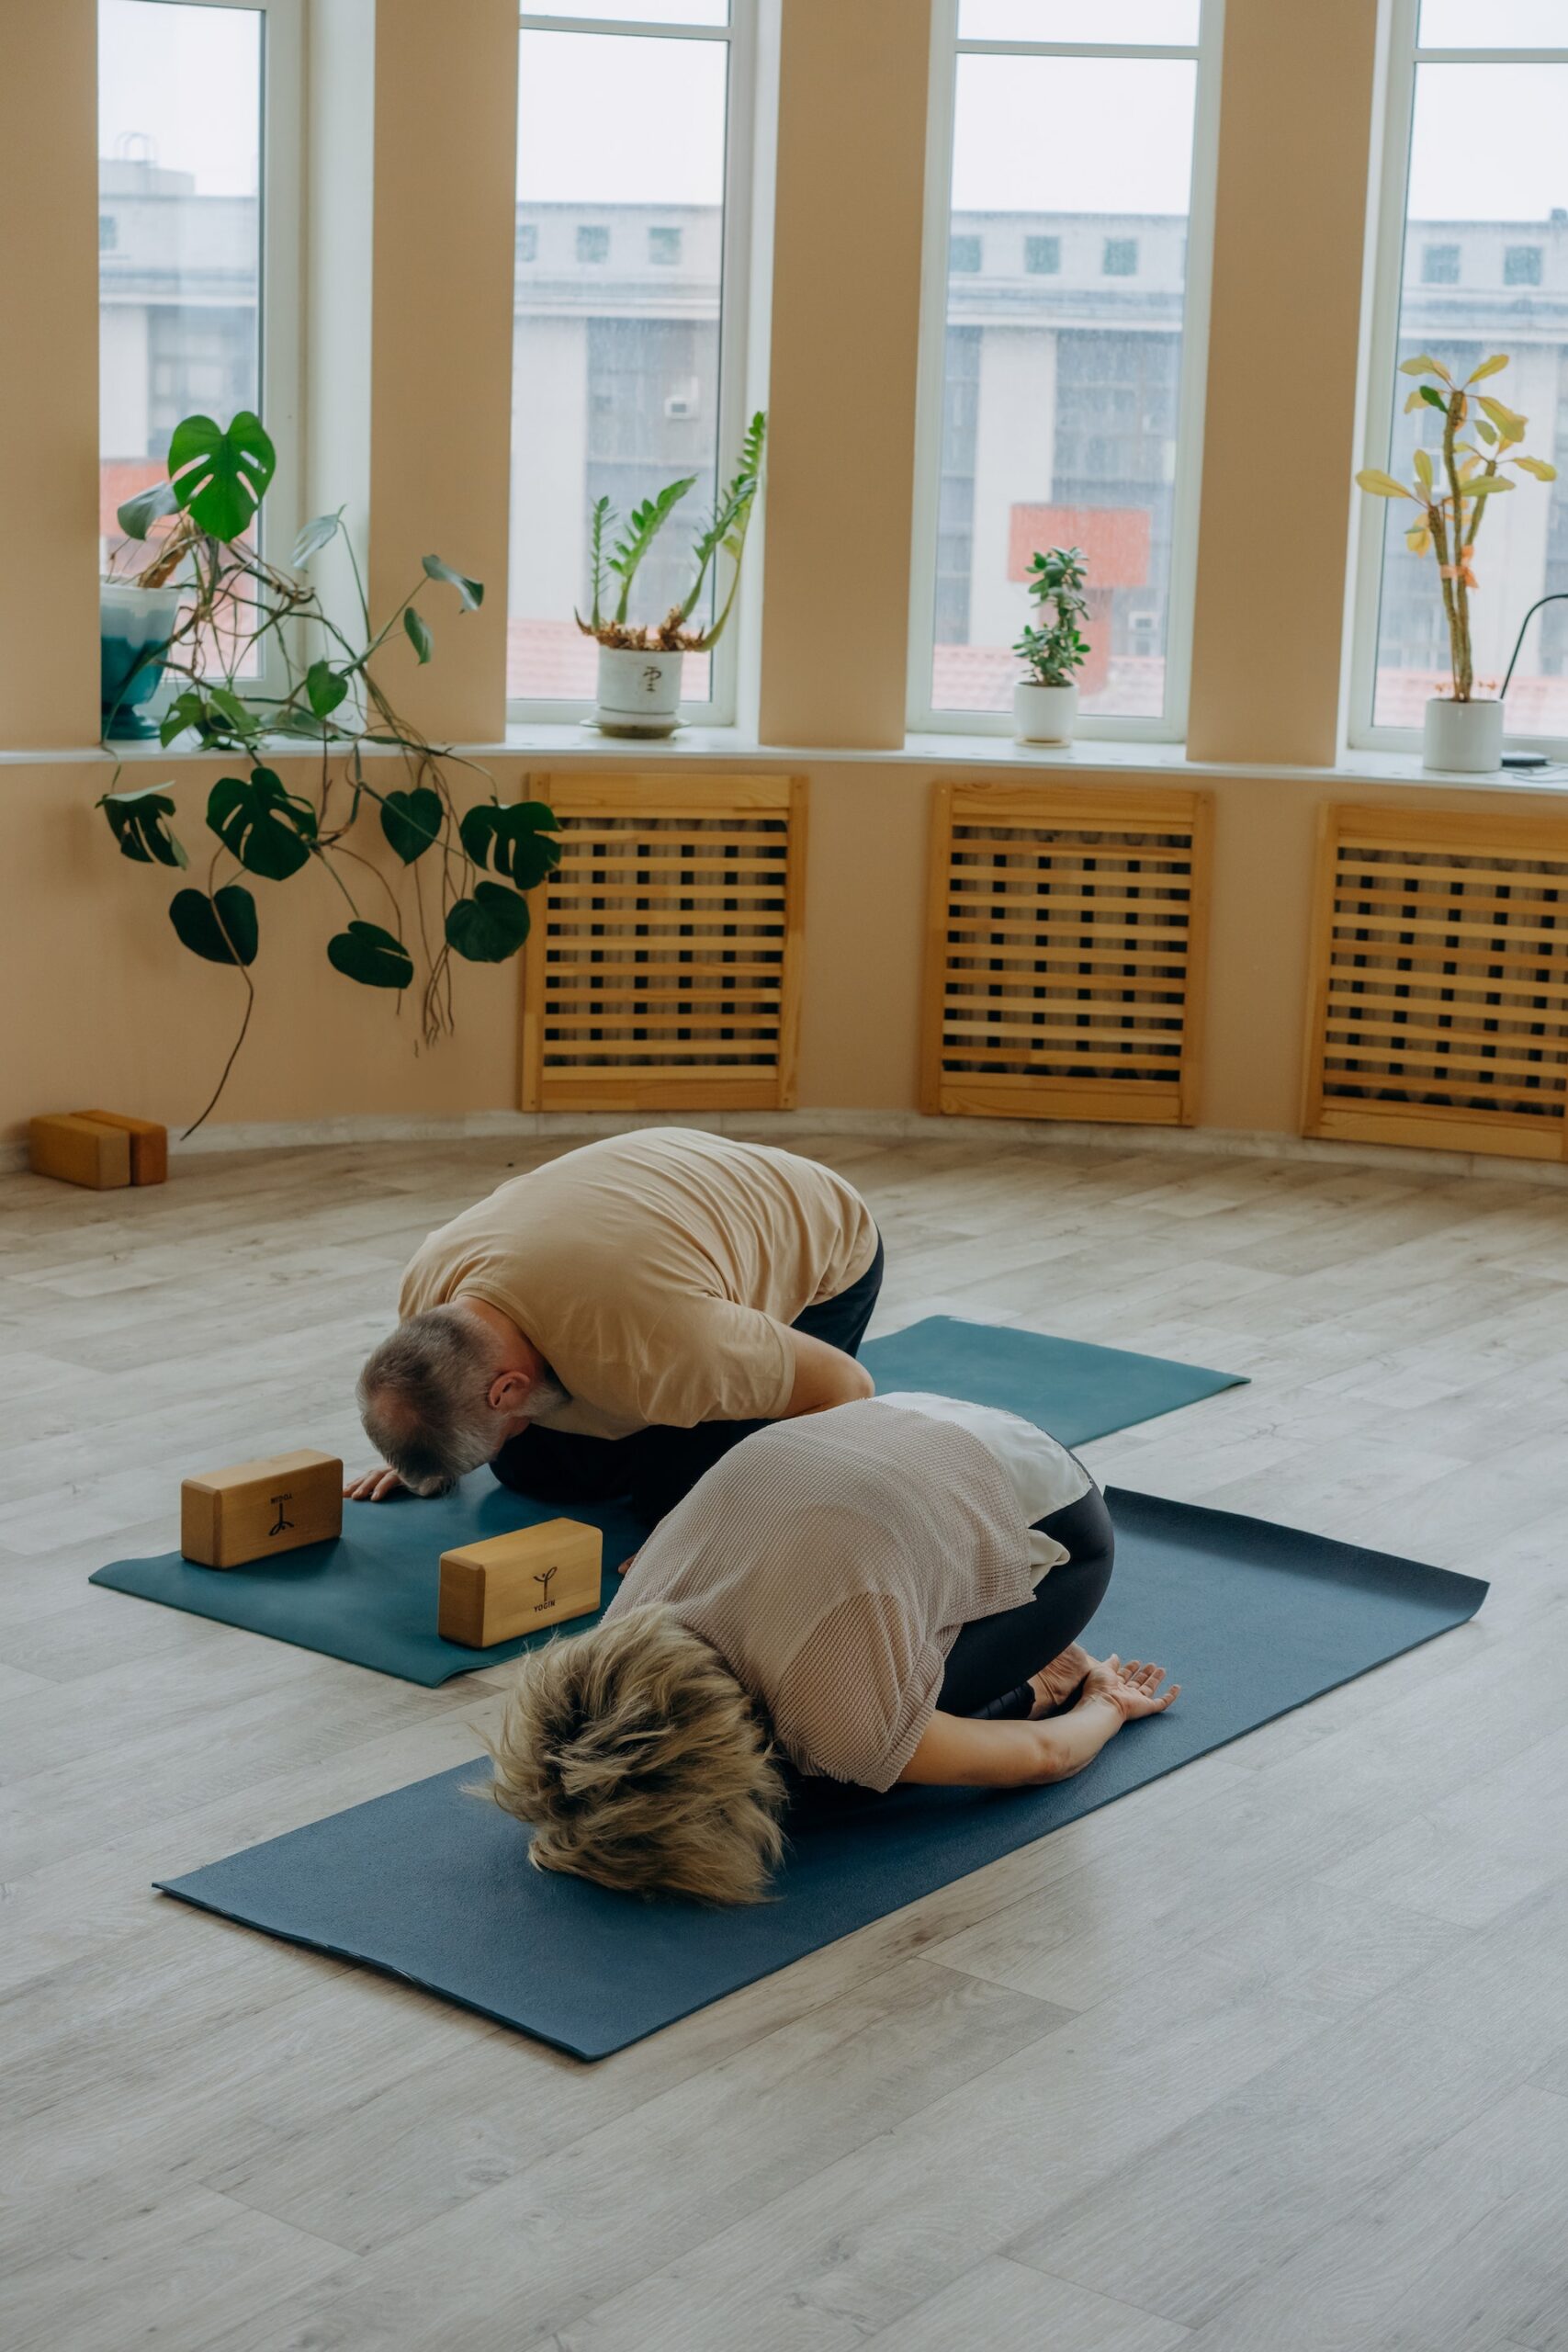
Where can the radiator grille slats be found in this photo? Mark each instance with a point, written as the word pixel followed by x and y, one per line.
pixel 1440 1001
pixel 662 972
pixel 1065 958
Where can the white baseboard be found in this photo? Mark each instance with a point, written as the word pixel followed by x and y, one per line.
pixel 988 1135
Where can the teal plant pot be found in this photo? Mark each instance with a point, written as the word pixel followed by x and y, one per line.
pixel 134 628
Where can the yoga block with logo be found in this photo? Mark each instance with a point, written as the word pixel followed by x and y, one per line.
pixel 512 1584
pixel 253 1508
pixel 79 1151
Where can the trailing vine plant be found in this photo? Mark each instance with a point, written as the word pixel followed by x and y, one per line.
pixel 470 869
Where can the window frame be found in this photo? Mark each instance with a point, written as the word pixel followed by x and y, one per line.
pixel 1206 53
pixel 279 283
pixel 735 402
pixel 1381 368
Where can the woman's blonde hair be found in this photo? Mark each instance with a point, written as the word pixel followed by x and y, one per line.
pixel 641 1763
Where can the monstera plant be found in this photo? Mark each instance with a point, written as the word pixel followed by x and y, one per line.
pixel 469 871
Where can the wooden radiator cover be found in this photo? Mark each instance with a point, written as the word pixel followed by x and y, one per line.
pixel 1439 1003
pixel 662 972
pixel 1065 964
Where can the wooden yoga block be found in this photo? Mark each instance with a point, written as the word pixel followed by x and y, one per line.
pixel 254 1508
pixel 79 1151
pixel 512 1583
pixel 149 1144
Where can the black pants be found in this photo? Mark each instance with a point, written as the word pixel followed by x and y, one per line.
pixel 655 1467
pixel 989 1665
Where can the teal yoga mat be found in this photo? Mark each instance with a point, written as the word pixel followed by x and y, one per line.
pixel 433 1886
pixel 369 1596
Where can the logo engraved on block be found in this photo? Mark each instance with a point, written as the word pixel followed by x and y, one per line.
pixel 282 1522
pixel 543 1577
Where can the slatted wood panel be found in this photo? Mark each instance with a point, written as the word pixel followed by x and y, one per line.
pixel 1438 1005
pixel 663 970
pixel 1065 961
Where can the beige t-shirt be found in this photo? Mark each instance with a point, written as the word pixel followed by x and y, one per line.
pixel 655 1272
pixel 831 1562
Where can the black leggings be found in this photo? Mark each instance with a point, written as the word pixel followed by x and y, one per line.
pixel 654 1467
pixel 989 1665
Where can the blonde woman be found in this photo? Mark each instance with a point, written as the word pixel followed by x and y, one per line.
pixel 884 1594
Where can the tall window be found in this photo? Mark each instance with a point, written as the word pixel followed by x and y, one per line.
pixel 1061 390
pixel 628 326
pixel 1477 179
pixel 198 117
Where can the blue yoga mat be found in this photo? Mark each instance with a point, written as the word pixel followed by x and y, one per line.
pixel 434 1886
pixel 369 1596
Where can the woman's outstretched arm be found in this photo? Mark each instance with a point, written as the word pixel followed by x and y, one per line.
pixel 958 1751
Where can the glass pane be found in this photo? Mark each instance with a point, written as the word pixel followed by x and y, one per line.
pixel 1158 23
pixel 616 328
pixel 1064 361
pixel 1493 24
pixel 179 232
pixel 1474 286
pixel 639 12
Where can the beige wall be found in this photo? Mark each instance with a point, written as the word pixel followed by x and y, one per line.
pixel 99 999
pixel 113 1007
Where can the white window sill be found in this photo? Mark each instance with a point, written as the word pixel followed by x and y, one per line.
pixel 569 744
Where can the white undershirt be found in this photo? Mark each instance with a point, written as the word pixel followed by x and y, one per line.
pixel 1043 1473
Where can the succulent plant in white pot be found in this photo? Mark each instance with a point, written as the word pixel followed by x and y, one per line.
pixel 1045 704
pixel 640 664
pixel 1453 487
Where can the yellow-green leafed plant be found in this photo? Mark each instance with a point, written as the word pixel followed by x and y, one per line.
pixel 1452 493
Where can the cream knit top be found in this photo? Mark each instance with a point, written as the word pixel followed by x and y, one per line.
pixel 831 1562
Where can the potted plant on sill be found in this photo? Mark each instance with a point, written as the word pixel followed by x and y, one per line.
pixel 640 666
pixel 470 869
pixel 1045 704
pixel 1462 732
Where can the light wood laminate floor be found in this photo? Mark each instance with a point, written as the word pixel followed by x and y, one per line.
pixel 1271 2056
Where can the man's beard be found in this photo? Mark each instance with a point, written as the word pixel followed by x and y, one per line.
pixel 546 1395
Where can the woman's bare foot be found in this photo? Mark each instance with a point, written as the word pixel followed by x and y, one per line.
pixel 1055 1684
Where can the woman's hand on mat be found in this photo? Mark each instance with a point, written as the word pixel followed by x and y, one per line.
pixel 1055 1684
pixel 1135 1687
pixel 374 1485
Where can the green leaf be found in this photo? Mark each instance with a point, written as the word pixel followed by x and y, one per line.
pixel 470 590
pixel 411 821
pixel 139 822
pixel 643 526
pixel 269 829
pixel 489 927
pixel 1536 466
pixel 418 630
pixel 1434 400
pixel 220 929
pixel 372 956
pixel 241 722
pixel 314 538
pixel 220 477
pixel 187 710
pixel 138 515
pixel 1487 487
pixel 324 688
pixel 512 840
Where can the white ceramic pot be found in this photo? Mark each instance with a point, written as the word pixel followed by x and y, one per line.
pixel 132 624
pixel 639 693
pixel 1044 714
pixel 1464 737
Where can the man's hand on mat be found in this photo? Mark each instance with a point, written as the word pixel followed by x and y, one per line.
pixel 1135 1687
pixel 1055 1684
pixel 374 1485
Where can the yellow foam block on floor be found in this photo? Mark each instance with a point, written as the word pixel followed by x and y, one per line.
pixel 79 1151
pixel 253 1509
pixel 512 1583
pixel 149 1144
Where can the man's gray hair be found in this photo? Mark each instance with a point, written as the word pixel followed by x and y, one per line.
pixel 425 1397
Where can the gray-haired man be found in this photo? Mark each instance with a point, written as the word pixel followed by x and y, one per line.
pixel 612 1322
